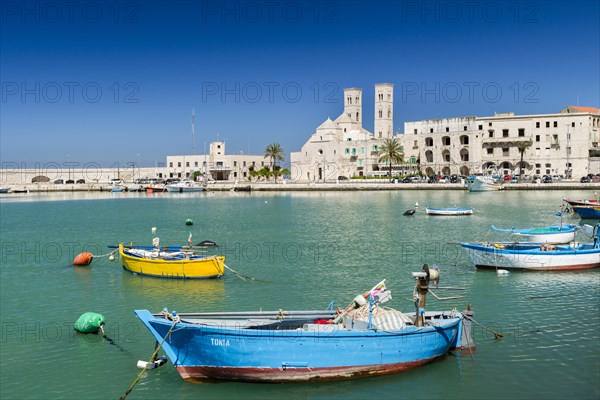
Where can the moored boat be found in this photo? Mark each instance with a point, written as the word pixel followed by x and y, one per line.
pixel 587 209
pixel 483 183
pixel 184 187
pixel 4 189
pixel 363 340
pixel 448 211
pixel 527 256
pixel 547 234
pixel 170 262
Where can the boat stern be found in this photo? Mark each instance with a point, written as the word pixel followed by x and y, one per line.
pixel 464 340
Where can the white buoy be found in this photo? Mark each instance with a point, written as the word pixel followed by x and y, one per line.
pixel 111 257
pixel 417 205
pixel 153 230
pixel 502 272
pixel 144 364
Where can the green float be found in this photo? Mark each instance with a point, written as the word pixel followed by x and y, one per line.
pixel 89 322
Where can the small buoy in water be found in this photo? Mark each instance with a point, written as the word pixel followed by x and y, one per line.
pixel 153 230
pixel 189 222
pixel 502 272
pixel 84 258
pixel 151 365
pixel 111 257
pixel 89 322
pixel 416 205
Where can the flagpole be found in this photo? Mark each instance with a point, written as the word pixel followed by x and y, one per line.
pixel 193 145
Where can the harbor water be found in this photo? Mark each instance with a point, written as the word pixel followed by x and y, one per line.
pixel 305 249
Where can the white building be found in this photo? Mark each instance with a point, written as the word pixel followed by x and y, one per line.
pixel 343 147
pixel 216 165
pixel 564 143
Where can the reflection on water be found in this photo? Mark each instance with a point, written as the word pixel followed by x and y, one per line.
pixel 179 294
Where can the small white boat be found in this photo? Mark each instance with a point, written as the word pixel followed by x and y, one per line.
pixel 549 234
pixel 448 211
pixel 184 187
pixel 4 189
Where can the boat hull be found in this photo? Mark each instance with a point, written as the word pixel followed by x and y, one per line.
pixel 448 211
pixel 588 211
pixel 209 267
pixel 532 258
pixel 311 353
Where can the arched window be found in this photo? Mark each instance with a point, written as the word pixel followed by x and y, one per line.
pixel 429 156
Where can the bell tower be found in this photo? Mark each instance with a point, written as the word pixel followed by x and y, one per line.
pixel 353 104
pixel 384 111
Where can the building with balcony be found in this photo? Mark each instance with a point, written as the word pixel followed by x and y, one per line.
pixel 217 165
pixel 564 143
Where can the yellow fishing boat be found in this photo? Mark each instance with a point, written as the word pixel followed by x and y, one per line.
pixel 170 262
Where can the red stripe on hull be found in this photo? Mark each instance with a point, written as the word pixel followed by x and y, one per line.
pixel 282 375
pixel 558 268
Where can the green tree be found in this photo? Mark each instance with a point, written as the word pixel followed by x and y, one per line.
pixel 275 153
pixel 195 175
pixel 522 146
pixel 391 152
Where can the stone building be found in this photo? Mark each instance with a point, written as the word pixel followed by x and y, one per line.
pixel 564 143
pixel 343 147
pixel 217 165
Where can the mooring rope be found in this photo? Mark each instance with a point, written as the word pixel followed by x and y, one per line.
pixel 107 254
pixel 176 320
pixel 496 334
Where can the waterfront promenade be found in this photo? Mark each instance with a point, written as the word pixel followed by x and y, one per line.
pixel 350 185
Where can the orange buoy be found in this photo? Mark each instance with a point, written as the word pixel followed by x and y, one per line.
pixel 84 258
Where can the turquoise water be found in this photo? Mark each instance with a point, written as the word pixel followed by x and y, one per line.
pixel 305 249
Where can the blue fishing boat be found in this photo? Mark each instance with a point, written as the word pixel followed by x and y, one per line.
pixel 587 209
pixel 365 339
pixel 527 256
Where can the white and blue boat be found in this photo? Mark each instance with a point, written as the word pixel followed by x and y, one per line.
pixel 362 340
pixel 529 256
pixel 448 211
pixel 548 234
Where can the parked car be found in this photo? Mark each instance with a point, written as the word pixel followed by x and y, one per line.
pixel 80 181
pixel 116 181
pixel 70 182
pixel 443 179
pixel 585 179
pixel 547 179
pixel 595 179
pixel 454 179
pixel 514 179
pixel 536 179
pixel 59 182
pixel 408 179
pixel 342 178
pixel 507 178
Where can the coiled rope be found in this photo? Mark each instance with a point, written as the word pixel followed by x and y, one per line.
pixel 176 320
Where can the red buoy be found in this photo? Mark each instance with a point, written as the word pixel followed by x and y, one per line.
pixel 84 258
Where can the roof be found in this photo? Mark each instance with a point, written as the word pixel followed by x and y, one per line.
pixel 328 124
pixel 582 109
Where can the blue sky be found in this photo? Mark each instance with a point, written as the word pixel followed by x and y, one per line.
pixel 115 82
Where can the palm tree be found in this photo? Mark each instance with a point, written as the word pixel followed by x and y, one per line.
pixel 522 146
pixel 275 153
pixel 391 151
